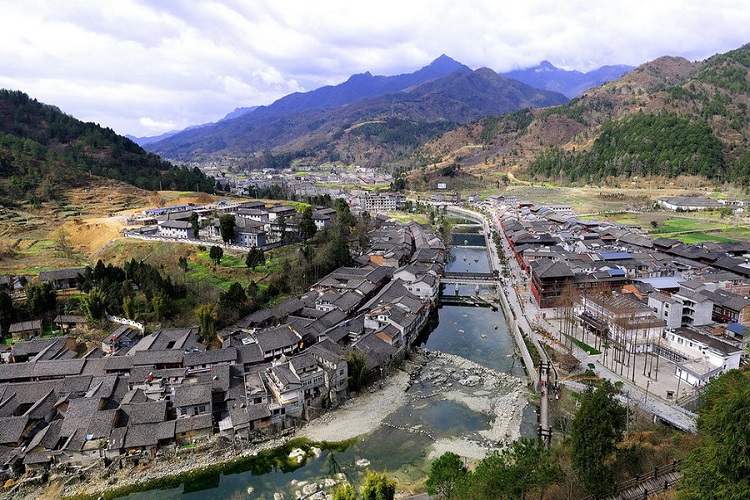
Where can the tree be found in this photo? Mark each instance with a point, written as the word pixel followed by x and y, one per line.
pixel 128 307
pixel 215 254
pixel 234 297
pixel 226 227
pixel 261 257
pixel 446 473
pixel 41 298
pixel 282 229
pixel 356 363
pixel 195 225
pixel 532 466
pixel 255 257
pixel 205 314
pixel 63 243
pixel 378 487
pixel 597 428
pixel 307 225
pixel 719 467
pixel 7 312
pixel 252 290
pixel 343 213
pixel 526 467
pixel 183 264
pixel 94 305
pixel 160 305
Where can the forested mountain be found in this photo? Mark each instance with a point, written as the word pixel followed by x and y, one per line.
pixel 570 83
pixel 666 118
pixel 322 125
pixel 43 151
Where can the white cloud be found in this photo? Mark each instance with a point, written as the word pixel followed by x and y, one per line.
pixel 138 65
pixel 156 127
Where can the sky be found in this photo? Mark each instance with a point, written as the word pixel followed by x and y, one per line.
pixel 150 66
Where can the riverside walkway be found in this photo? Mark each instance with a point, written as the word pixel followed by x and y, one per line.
pixel 646 393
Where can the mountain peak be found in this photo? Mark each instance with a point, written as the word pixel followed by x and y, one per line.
pixel 360 77
pixel 445 64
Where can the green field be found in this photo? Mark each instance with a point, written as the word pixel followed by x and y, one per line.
pixel 674 225
pixel 689 228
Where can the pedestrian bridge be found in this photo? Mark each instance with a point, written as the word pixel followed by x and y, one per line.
pixel 469 278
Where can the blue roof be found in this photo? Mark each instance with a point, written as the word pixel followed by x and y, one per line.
pixel 736 328
pixel 616 272
pixel 615 255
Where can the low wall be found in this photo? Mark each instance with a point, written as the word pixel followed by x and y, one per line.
pixel 513 324
pixel 126 321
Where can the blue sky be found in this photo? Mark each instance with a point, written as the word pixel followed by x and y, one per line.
pixel 146 67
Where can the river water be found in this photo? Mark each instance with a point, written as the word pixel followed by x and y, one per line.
pixel 478 334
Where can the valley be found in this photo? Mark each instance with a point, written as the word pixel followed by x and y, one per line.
pixel 297 269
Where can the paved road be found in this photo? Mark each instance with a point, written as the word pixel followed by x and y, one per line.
pixel 523 309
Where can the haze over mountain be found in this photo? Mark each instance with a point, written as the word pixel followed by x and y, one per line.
pixel 312 124
pixel 142 141
pixel 572 83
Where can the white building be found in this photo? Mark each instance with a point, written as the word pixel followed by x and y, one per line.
pixel 667 308
pixel 699 357
pixel 176 229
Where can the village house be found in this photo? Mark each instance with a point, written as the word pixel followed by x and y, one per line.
pixel 180 229
pixel 689 203
pixel 25 329
pixel 629 324
pixel 190 400
pixel 699 357
pixel 279 211
pixel 62 279
pixel 249 233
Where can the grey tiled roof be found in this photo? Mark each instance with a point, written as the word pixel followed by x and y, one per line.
pixel 193 423
pixel 191 394
pixel 145 413
pixel 148 435
pixel 12 428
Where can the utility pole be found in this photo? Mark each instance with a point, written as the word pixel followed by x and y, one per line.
pixel 545 431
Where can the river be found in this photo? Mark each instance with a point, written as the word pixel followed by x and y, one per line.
pixel 410 437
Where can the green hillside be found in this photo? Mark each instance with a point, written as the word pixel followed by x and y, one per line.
pixel 43 152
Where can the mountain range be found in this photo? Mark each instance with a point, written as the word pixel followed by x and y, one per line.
pixel 568 82
pixel 320 125
pixel 665 118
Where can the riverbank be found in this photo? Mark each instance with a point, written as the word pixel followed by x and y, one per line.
pixel 501 397
pixel 440 377
pixel 357 416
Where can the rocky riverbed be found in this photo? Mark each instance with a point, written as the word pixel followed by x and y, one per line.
pixel 427 379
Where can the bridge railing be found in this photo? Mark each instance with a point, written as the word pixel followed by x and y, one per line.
pixel 470 275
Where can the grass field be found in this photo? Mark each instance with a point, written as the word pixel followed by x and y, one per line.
pixel 674 225
pixel 688 228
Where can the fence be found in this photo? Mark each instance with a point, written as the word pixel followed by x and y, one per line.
pixel 640 487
